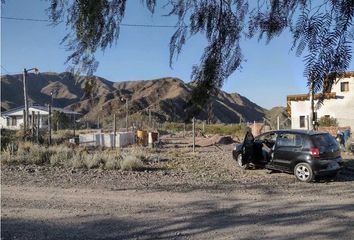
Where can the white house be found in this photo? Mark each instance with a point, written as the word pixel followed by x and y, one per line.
pixel 339 104
pixel 13 118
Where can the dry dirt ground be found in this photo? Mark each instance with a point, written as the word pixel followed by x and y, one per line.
pixel 180 195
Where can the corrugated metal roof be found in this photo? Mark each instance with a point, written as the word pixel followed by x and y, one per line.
pixel 41 108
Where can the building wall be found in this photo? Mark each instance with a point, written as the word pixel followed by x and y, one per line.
pixel 341 108
pixel 19 116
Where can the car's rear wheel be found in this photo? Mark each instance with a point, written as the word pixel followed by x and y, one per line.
pixel 303 172
pixel 240 162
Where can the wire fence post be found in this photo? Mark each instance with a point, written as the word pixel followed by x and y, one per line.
pixel 114 124
pixel 50 124
pixel 24 124
pixel 193 130
pixel 184 130
pixel 38 122
pixel 278 123
pixel 126 114
pixel 74 124
pixel 32 122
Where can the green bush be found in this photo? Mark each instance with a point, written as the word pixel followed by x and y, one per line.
pixel 327 122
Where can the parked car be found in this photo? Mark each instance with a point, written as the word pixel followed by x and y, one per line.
pixel 306 154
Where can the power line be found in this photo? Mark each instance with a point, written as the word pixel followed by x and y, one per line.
pixel 3 68
pixel 122 24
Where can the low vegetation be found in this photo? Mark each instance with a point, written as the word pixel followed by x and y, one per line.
pixel 68 157
pixel 327 122
pixel 238 130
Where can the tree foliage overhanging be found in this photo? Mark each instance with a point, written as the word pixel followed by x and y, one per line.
pixel 322 31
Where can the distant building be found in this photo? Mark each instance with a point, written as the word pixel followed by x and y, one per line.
pixel 13 118
pixel 339 104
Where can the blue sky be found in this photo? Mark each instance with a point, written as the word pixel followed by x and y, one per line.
pixel 269 73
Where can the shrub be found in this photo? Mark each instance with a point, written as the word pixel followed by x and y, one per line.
pixel 112 162
pixel 62 157
pixel 93 160
pixel 327 122
pixel 38 155
pixel 77 161
pixel 26 153
pixel 131 162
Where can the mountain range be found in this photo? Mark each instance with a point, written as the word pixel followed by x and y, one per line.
pixel 165 98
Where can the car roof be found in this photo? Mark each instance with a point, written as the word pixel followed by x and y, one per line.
pixel 296 131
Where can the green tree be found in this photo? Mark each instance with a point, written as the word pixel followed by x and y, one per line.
pixel 322 34
pixel 60 120
pixel 327 122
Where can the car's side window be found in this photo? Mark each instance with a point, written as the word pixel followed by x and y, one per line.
pixel 269 137
pixel 289 140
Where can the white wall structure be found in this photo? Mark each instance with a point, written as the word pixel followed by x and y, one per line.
pixel 122 139
pixel 339 104
pixel 13 118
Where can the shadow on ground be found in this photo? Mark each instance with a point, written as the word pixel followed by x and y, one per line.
pixel 203 219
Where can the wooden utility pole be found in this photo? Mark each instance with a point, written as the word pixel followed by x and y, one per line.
pixel 37 130
pixel 50 124
pixel 312 106
pixel 25 97
pixel 193 130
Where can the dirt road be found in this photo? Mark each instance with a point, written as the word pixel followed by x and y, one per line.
pixel 311 211
pixel 183 197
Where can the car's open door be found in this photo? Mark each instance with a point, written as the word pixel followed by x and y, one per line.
pixel 247 148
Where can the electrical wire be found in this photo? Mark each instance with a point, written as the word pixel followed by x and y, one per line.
pixel 122 24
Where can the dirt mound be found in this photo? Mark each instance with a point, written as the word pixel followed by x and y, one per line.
pixel 215 140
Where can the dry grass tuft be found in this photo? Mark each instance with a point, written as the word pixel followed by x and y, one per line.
pixel 131 162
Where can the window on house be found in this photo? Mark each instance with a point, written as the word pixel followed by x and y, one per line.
pixel 302 121
pixel 13 121
pixel 344 86
pixel 8 121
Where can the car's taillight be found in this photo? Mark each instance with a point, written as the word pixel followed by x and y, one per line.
pixel 315 152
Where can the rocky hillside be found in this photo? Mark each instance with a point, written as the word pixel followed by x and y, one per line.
pixel 165 97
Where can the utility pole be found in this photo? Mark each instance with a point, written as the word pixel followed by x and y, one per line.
pixel 149 118
pixel 25 98
pixel 51 98
pixel 25 71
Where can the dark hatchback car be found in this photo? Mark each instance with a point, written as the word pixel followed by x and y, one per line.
pixel 307 154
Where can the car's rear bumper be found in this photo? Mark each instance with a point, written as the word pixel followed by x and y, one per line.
pixel 328 167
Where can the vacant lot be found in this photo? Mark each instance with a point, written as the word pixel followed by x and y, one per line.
pixel 180 195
